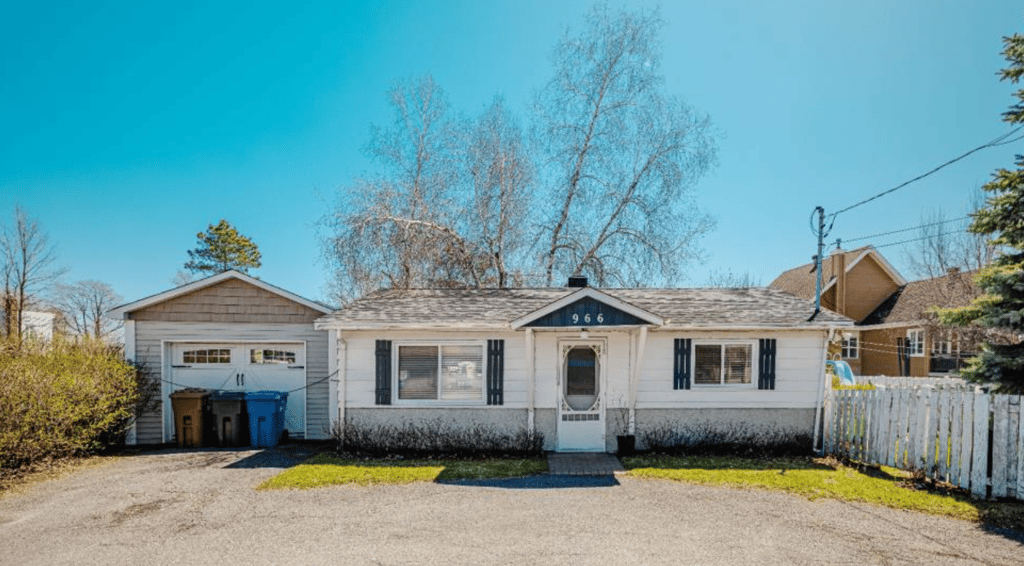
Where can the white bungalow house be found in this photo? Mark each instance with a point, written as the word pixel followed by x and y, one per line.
pixel 577 364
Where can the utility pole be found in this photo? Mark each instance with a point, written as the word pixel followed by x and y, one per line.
pixel 817 260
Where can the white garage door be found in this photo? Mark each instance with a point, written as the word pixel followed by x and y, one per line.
pixel 268 366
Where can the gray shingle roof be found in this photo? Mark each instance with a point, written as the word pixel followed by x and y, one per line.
pixel 497 308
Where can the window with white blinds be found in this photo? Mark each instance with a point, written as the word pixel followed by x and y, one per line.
pixel 723 364
pixel 449 372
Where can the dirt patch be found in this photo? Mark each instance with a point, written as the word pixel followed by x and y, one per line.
pixel 136 511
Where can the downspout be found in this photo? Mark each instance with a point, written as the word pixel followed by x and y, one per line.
pixel 822 377
pixel 530 377
pixel 635 377
pixel 342 377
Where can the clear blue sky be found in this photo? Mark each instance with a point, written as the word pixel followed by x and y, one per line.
pixel 130 126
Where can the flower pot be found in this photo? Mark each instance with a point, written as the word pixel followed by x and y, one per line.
pixel 627 444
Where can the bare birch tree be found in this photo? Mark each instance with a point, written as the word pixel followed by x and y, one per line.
pixel 394 229
pixel 622 157
pixel 500 173
pixel 29 268
pixel 448 208
pixel 84 306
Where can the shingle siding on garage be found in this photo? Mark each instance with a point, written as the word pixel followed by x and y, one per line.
pixel 231 300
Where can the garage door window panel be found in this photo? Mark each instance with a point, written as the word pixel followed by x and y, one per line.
pixel 213 356
pixel 261 356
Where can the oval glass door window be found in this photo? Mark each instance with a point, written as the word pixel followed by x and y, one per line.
pixel 581 383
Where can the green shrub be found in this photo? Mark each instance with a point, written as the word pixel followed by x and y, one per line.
pixel 62 398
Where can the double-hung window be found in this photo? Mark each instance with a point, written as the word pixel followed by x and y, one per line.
pixel 850 348
pixel 725 363
pixel 915 342
pixel 440 372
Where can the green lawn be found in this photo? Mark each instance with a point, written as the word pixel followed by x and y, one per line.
pixel 322 470
pixel 823 478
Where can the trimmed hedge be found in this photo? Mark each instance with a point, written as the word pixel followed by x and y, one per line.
pixel 62 398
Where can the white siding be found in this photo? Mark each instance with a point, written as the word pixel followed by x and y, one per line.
pixel 149 338
pixel 798 363
pixel 797 366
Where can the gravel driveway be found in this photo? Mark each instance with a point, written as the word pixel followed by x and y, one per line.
pixel 200 507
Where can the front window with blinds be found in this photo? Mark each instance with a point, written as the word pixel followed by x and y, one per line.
pixel 723 364
pixel 446 372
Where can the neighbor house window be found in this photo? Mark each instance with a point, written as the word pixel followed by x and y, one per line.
pixel 213 356
pixel 723 364
pixel 850 349
pixel 442 372
pixel 915 342
pixel 271 356
pixel 943 344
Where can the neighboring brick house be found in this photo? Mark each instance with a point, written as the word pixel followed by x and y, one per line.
pixel 895 334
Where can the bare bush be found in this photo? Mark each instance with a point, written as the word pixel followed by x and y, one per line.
pixel 710 439
pixel 436 438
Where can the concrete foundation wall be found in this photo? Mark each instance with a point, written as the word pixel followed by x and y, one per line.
pixel 766 423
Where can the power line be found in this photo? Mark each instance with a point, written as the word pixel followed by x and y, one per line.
pixel 905 229
pixel 919 239
pixel 1001 140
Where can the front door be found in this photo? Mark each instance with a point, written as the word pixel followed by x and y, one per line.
pixel 581 425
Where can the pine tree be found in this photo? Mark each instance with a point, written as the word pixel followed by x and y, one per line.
pixel 221 248
pixel 1002 218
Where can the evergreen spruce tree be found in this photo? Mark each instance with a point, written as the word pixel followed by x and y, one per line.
pixel 221 248
pixel 1002 218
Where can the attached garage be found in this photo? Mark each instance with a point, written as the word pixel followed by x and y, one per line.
pixel 231 332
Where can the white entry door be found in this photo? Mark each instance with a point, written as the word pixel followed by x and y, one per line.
pixel 242 367
pixel 581 426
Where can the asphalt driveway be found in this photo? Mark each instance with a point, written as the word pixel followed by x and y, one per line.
pixel 200 508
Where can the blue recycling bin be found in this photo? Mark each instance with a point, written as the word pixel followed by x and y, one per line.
pixel 266 417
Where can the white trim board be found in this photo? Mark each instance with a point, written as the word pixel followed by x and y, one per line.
pixel 123 310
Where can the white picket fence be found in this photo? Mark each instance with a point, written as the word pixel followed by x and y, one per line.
pixel 951 431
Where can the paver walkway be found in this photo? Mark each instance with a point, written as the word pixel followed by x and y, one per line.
pixel 583 464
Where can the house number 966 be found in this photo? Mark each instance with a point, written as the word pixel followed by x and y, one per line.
pixel 586 318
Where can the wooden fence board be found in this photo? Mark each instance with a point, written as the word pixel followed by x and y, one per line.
pixel 912 419
pixel 1012 455
pixel 979 464
pixel 903 426
pixel 928 432
pixel 1000 434
pixel 944 421
pixel 826 427
pixel 1020 449
pixel 966 429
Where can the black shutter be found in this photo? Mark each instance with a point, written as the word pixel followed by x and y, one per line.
pixel 383 372
pixel 495 372
pixel 681 365
pixel 766 364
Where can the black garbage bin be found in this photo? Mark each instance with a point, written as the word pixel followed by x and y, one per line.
pixel 229 420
